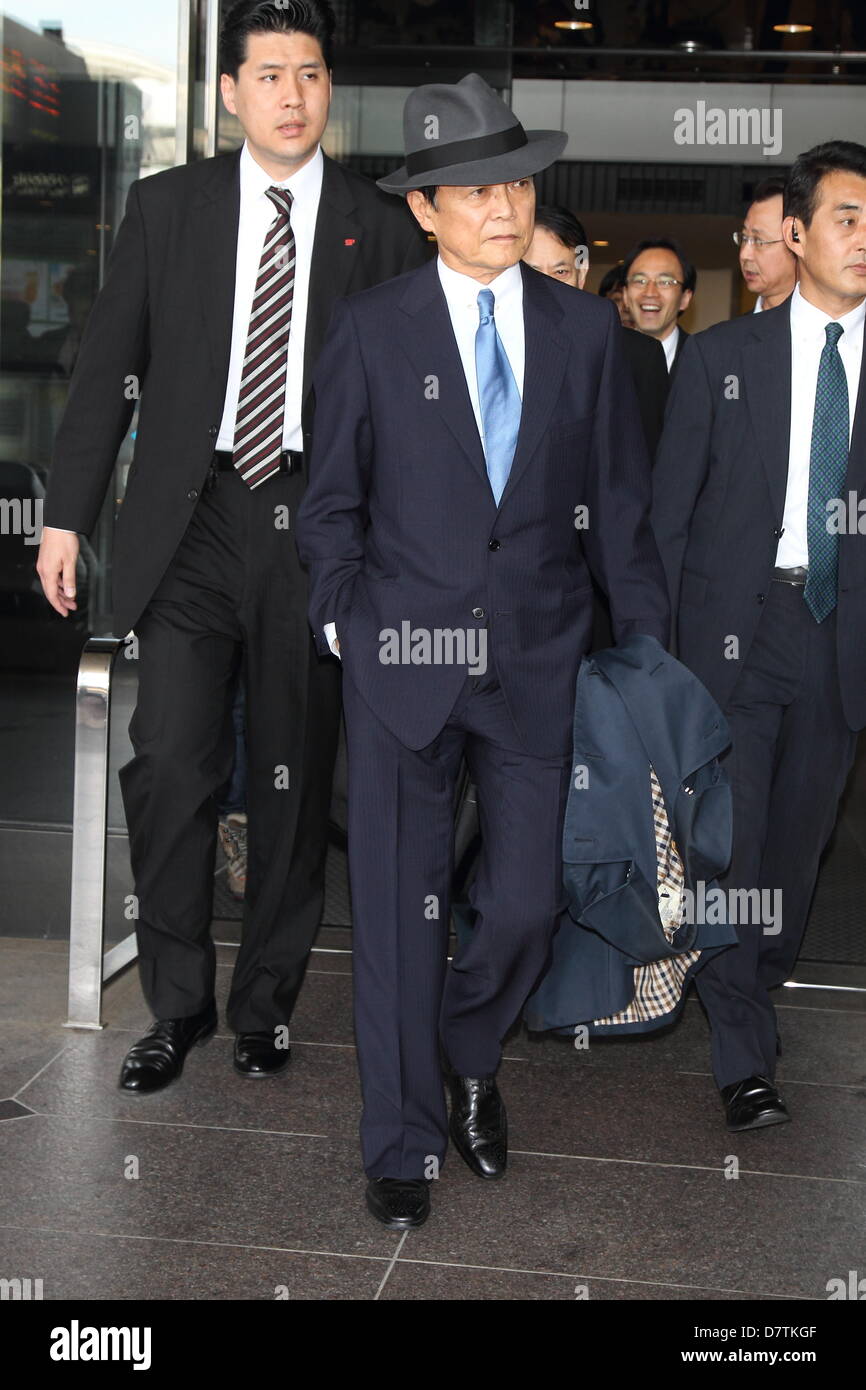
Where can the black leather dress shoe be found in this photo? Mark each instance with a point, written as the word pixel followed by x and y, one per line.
pixel 256 1054
pixel 158 1057
pixel 753 1104
pixel 478 1125
pixel 399 1203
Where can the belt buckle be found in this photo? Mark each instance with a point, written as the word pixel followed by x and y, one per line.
pixel 796 576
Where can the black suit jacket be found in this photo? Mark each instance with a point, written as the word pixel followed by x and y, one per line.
pixel 646 359
pixel 719 497
pixel 399 524
pixel 681 342
pixel 162 325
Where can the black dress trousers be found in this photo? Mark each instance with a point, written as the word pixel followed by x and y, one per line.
pixel 234 594
pixel 790 757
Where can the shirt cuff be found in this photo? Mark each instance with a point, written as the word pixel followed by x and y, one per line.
pixel 63 530
pixel 331 637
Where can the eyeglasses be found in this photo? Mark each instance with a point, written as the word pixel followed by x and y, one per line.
pixel 743 239
pixel 663 282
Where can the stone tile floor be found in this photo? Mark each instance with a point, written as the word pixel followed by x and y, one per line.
pixel 618 1187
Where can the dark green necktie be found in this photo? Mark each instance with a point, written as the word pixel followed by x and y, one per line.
pixel 827 469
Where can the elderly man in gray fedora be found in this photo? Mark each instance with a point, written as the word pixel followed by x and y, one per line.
pixel 477 456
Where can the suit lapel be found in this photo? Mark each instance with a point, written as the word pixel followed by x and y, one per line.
pixel 856 477
pixel 767 385
pixel 546 356
pixel 214 219
pixel 336 248
pixel 427 338
pixel 681 342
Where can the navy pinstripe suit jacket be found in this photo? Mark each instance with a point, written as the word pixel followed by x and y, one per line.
pixel 399 524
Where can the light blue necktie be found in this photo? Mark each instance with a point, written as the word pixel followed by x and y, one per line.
pixel 827 468
pixel 498 395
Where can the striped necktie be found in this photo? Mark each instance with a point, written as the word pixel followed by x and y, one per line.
pixel 262 398
pixel 498 396
pixel 827 468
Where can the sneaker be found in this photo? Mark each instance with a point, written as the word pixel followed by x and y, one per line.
pixel 233 839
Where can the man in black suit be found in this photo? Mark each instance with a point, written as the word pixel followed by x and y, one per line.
pixel 660 282
pixel 759 519
pixel 477 455
pixel 559 249
pixel 217 297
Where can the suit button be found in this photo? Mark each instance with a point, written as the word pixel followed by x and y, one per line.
pixel 192 494
pixel 478 612
pixel 213 431
pixel 777 531
pixel 760 597
pixel 494 545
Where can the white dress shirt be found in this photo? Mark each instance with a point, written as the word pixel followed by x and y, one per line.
pixel 670 346
pixel 808 340
pixel 759 304
pixel 257 215
pixel 461 295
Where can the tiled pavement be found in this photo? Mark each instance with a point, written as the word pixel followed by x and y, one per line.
pixel 618 1188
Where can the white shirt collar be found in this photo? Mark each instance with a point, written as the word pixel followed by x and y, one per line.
pixel 670 345
pixel 462 291
pixel 759 304
pixel 807 321
pixel 304 184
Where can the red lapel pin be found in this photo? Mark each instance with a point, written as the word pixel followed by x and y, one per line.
pixel 350 241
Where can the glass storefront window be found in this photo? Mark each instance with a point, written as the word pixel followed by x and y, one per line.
pixel 89 105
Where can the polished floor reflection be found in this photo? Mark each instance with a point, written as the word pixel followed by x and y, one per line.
pixel 619 1185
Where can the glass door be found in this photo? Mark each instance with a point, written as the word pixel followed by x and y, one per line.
pixel 92 100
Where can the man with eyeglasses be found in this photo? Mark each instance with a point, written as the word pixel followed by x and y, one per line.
pixel 659 283
pixel 769 267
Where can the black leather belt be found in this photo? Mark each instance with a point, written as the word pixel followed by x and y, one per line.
pixel 290 461
pixel 797 576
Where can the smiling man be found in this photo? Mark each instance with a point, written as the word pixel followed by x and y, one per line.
pixel 470 417
pixel 659 282
pixel 765 436
pixel 216 300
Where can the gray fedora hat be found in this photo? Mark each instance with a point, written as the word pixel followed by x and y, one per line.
pixel 462 133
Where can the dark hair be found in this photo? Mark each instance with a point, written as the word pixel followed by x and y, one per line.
pixel 429 193
pixel 690 275
pixel 801 190
pixel 610 281
pixel 562 224
pixel 773 187
pixel 313 17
